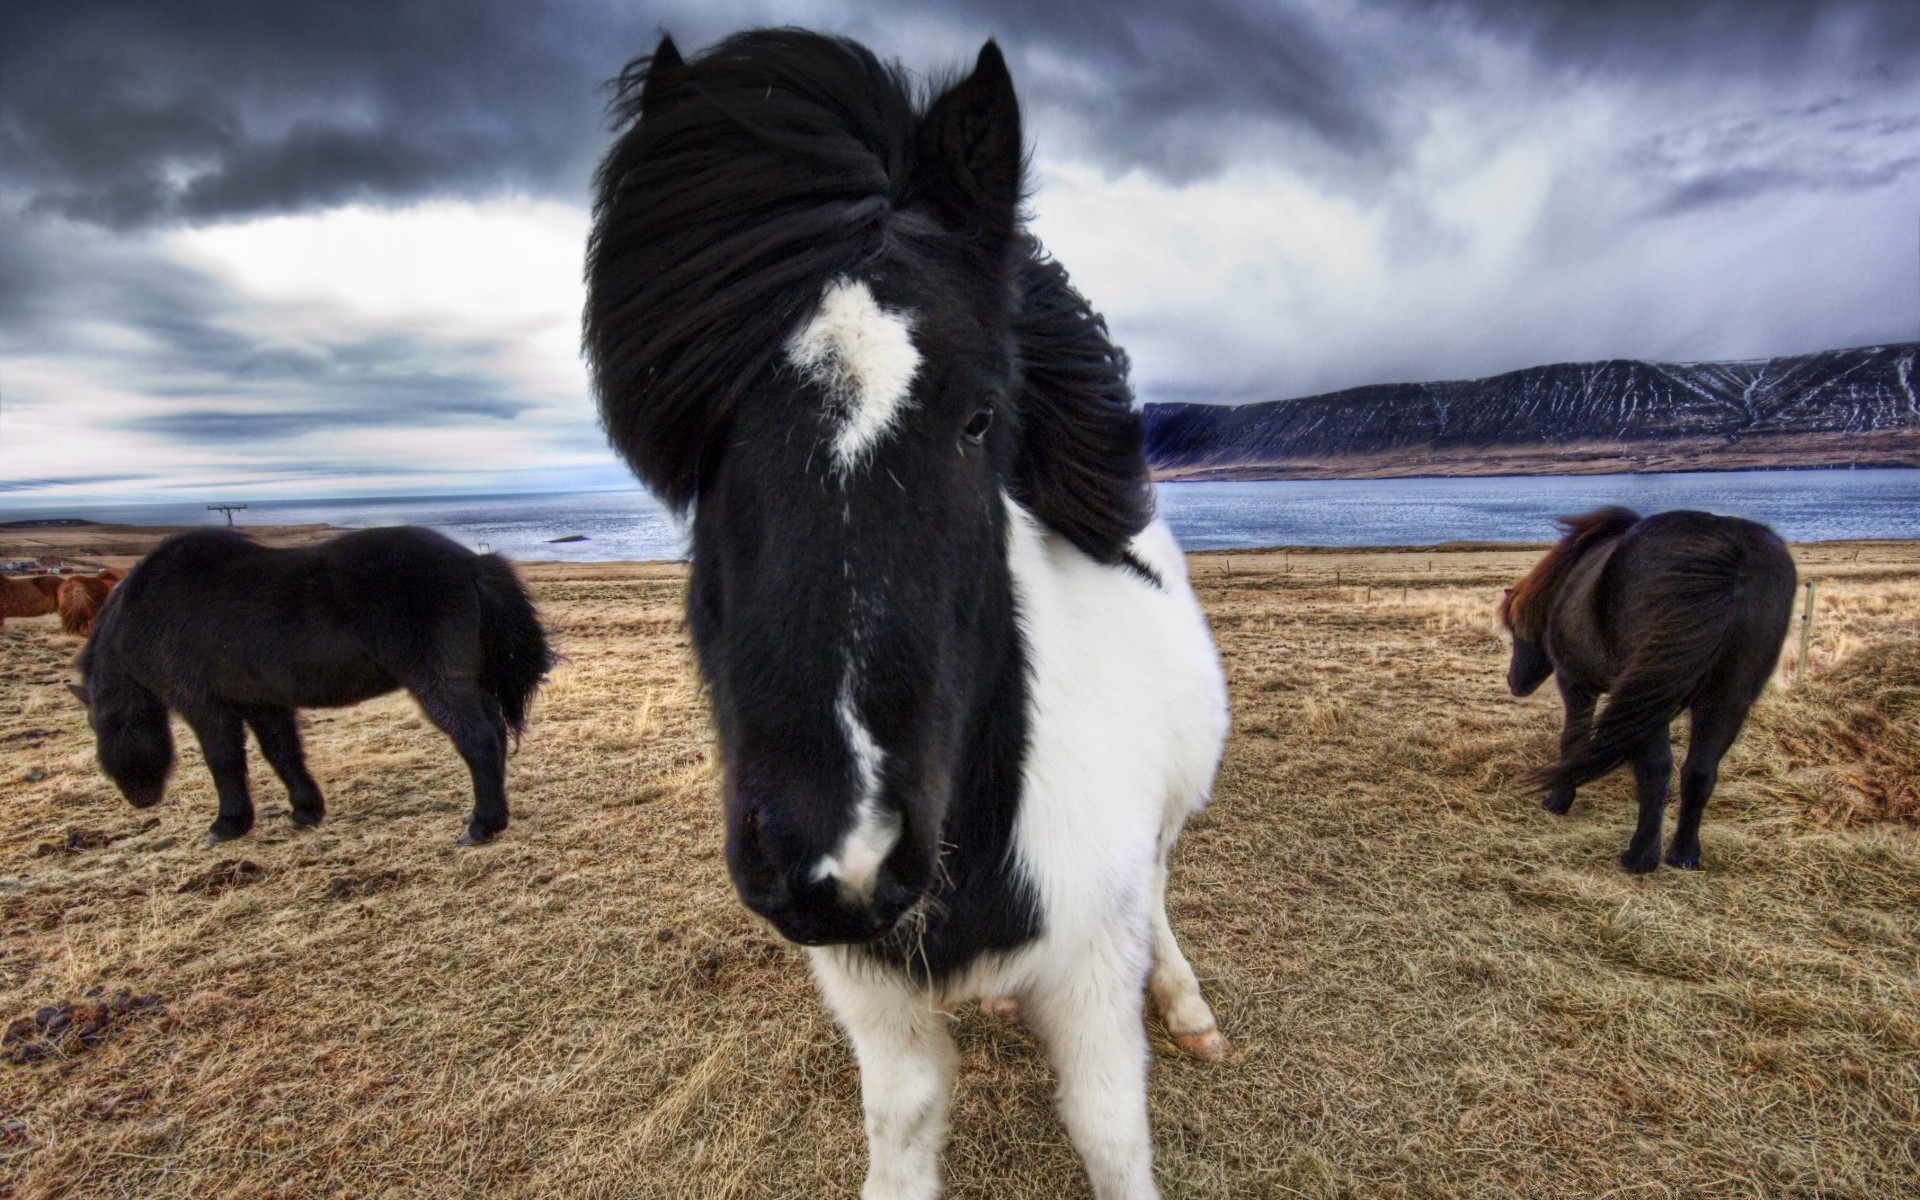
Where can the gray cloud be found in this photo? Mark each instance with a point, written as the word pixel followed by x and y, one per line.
pixel 128 114
pixel 1831 145
pixel 1767 139
pixel 186 110
pixel 1717 36
pixel 178 342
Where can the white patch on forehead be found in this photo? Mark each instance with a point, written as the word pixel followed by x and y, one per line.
pixel 856 864
pixel 862 357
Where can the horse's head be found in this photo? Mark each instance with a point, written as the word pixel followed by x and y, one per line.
pixel 1529 666
pixel 806 295
pixel 132 737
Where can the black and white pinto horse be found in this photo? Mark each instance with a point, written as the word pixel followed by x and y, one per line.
pixel 965 696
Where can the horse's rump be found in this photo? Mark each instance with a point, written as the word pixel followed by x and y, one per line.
pixel 1696 601
pixel 29 595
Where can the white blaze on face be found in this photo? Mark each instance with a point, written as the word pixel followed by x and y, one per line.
pixel 862 357
pixel 856 864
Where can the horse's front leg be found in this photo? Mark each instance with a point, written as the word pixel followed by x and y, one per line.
pixel 223 743
pixel 1089 1019
pixel 1174 987
pixel 1573 734
pixel 906 1072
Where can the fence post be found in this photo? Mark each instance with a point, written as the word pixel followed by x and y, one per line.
pixel 1806 632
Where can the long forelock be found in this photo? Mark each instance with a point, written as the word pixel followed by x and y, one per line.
pixel 720 222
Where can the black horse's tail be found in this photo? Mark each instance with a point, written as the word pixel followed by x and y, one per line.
pixel 1698 610
pixel 514 656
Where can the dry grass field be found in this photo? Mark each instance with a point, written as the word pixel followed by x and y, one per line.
pixel 1433 987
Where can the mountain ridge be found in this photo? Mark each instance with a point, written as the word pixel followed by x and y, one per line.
pixel 1853 407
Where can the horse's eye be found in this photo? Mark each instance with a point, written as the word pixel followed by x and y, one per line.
pixel 977 425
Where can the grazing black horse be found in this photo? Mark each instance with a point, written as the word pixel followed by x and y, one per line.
pixel 235 636
pixel 1683 610
pixel 964 694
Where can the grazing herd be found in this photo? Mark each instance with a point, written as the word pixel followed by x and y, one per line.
pixel 964 694
pixel 77 599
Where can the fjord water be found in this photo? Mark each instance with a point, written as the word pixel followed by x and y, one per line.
pixel 1802 506
pixel 628 524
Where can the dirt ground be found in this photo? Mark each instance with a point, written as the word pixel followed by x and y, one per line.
pixel 1433 987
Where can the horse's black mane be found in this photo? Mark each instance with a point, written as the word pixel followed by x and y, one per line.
pixel 745 180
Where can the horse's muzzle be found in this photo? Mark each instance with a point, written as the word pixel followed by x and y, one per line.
pixel 818 915
pixel 144 797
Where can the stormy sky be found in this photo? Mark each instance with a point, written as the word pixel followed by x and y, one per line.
pixel 328 249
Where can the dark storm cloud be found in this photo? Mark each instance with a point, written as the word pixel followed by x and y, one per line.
pixel 134 113
pixel 1695 34
pixel 1153 82
pixel 131 114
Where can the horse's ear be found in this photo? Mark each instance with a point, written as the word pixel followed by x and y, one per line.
pixel 663 75
pixel 82 693
pixel 970 156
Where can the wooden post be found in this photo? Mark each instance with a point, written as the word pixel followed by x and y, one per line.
pixel 1806 633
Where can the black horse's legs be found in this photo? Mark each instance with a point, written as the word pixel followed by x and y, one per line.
pixel 1714 726
pixel 479 733
pixel 279 736
pixel 1579 705
pixel 1652 772
pixel 223 742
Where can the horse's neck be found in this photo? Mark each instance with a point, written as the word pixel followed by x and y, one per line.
pixel 1577 620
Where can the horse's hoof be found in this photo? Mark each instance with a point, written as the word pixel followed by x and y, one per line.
pixel 215 837
pixel 1557 804
pixel 307 820
pixel 1208 1045
pixel 474 837
pixel 1004 1008
pixel 1639 864
pixel 1685 862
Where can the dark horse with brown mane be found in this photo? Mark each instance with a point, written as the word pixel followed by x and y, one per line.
pixel 1682 610
pixel 234 636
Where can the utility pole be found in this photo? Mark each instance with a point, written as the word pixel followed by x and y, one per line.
pixel 228 509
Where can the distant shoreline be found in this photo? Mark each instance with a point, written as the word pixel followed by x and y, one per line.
pixel 1500 464
pixel 122 545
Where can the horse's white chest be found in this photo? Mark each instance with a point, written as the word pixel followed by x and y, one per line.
pixel 1126 715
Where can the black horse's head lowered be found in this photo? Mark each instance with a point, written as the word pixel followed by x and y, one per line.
pixel 815 321
pixel 1524 606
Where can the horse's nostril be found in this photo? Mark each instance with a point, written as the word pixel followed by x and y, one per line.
pixel 756 868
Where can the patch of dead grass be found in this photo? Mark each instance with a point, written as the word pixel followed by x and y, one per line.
pixel 1434 988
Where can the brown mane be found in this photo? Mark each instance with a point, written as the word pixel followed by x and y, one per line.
pixel 1523 610
pixel 81 599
